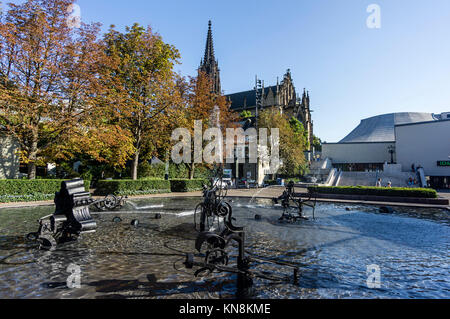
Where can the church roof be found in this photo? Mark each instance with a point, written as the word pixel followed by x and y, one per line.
pixel 249 97
pixel 382 128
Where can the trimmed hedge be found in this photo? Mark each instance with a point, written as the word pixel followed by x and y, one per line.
pixel 187 185
pixel 375 191
pixel 23 190
pixel 127 187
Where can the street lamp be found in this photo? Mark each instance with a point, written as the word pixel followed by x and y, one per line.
pixel 391 150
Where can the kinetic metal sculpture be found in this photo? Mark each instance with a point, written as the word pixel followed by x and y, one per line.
pixel 215 250
pixel 214 207
pixel 214 247
pixel 294 213
pixel 72 217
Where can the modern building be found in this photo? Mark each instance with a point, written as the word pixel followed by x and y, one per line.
pixel 426 145
pixel 9 157
pixel 398 142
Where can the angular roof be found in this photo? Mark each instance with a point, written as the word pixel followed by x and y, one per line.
pixel 382 128
pixel 237 99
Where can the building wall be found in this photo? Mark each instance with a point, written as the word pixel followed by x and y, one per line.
pixel 9 159
pixel 358 153
pixel 424 144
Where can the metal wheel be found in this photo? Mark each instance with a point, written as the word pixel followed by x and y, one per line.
pixel 217 256
pixel 110 202
pixel 47 242
pixel 223 210
pixel 32 236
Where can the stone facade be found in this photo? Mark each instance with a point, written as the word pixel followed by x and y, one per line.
pixel 282 96
pixel 9 158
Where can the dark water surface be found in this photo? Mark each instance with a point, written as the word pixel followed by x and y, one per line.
pixel 411 248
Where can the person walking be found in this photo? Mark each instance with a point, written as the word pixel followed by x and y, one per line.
pixel 379 183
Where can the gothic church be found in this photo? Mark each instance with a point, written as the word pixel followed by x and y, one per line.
pixel 282 96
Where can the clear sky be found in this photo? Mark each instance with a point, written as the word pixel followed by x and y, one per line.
pixel 351 71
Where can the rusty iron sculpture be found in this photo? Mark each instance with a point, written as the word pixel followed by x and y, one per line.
pixel 293 204
pixel 72 217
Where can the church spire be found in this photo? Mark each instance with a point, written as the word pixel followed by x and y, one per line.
pixel 209 65
pixel 209 50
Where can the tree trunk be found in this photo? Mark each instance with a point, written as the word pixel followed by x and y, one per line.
pixel 134 169
pixel 191 171
pixel 32 158
pixel 31 170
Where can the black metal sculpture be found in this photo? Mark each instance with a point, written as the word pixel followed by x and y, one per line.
pixel 214 247
pixel 110 202
pixel 214 205
pixel 294 213
pixel 215 250
pixel 72 216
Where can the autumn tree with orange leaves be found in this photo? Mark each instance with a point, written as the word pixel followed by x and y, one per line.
pixel 202 104
pixel 49 84
pixel 65 94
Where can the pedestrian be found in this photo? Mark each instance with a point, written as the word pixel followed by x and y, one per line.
pixel 389 185
pixel 379 182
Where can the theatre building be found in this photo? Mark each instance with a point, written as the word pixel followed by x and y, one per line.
pixel 426 144
pixel 395 143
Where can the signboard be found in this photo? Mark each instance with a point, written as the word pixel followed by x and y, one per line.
pixel 443 163
pixel 227 174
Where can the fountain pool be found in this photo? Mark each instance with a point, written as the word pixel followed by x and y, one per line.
pixel 410 247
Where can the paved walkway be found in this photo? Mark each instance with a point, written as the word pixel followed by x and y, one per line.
pixel 268 193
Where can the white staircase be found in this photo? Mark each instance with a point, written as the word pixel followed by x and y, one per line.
pixel 397 179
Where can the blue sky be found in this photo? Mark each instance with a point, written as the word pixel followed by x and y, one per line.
pixel 352 72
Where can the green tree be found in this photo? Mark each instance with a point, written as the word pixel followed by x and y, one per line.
pixel 245 114
pixel 317 143
pixel 143 84
pixel 292 140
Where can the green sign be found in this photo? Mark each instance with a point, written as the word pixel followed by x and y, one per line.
pixel 443 163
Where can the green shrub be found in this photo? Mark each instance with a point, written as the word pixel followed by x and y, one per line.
pixel 147 170
pixel 202 172
pixel 186 185
pixel 375 191
pixel 20 190
pixel 127 187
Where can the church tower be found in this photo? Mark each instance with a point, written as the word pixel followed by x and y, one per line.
pixel 209 65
